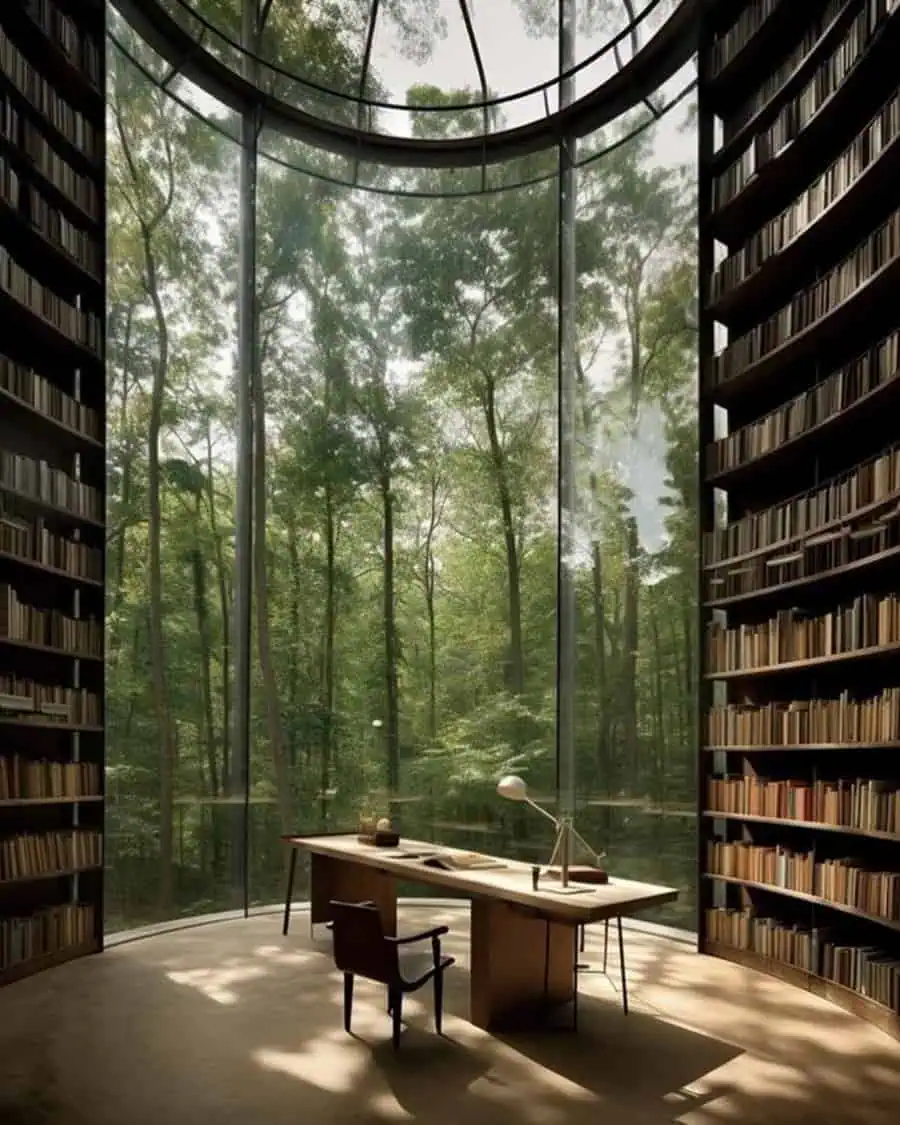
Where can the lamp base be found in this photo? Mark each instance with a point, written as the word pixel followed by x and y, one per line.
pixel 593 875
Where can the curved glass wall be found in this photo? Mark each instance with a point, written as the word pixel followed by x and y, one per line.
pixel 406 494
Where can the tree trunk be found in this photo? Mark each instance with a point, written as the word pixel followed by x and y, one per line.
pixel 159 686
pixel 261 582
pixel 201 612
pixel 127 468
pixel 225 612
pixel 515 670
pixel 326 706
pixel 632 539
pixel 293 656
pixel 391 696
pixel 660 751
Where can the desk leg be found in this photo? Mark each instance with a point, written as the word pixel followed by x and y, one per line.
pixel 522 966
pixel 292 869
pixel 622 966
pixel 346 881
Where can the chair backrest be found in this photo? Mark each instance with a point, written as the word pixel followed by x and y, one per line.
pixel 359 942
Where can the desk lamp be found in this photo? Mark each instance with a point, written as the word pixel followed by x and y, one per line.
pixel 514 789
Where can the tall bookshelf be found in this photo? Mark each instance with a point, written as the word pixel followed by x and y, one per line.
pixel 52 481
pixel 799 763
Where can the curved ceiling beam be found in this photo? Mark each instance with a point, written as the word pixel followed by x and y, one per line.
pixel 666 52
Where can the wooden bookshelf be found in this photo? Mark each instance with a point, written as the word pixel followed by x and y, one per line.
pixel 52 482
pixel 799 792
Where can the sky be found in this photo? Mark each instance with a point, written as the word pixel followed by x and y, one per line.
pixel 515 60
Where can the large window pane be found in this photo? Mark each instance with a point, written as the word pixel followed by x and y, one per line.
pixel 171 844
pixel 636 637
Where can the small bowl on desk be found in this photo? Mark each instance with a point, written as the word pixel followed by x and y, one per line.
pixel 386 838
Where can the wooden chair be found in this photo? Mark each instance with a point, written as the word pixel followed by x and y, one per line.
pixel 361 948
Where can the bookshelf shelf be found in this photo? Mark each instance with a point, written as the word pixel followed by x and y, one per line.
pixel 50 650
pixel 871 652
pixel 799 359
pixel 24 802
pixel 793 79
pixel 61 431
pixel 802 896
pixel 69 78
pixel 27 968
pixel 726 85
pixel 812 825
pixel 806 747
pixel 52 481
pixel 28 168
pixel 42 876
pixel 33 564
pixel 833 575
pixel 51 724
pixel 885 396
pixel 827 131
pixel 25 240
pixel 867 301
pixel 846 998
pixel 773 279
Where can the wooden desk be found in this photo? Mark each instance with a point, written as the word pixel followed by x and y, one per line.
pixel 523 956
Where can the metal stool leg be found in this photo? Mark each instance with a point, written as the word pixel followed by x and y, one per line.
pixel 292 867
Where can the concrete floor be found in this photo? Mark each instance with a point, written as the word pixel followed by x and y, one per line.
pixel 231 1023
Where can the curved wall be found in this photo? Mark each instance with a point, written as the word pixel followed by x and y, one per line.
pixel 409 358
pixel 799 349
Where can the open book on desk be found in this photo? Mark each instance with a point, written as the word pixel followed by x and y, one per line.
pixel 462 861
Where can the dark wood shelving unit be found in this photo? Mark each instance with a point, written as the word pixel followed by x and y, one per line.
pixel 800 600
pixel 52 472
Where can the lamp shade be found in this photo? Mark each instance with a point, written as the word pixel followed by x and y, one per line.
pixel 512 788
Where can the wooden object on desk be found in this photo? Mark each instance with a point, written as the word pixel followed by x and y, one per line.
pixel 523 940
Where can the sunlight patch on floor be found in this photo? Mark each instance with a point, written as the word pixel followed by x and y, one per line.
pixel 333 1063
pixel 217 984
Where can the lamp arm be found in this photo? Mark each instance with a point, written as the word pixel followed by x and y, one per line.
pixel 542 811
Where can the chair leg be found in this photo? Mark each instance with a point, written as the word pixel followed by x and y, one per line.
pixel 438 1002
pixel 348 1000
pixel 605 943
pixel 396 1015
pixel 583 937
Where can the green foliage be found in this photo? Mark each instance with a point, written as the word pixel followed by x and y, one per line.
pixel 408 358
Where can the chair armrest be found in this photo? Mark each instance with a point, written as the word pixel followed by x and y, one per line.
pixel 434 933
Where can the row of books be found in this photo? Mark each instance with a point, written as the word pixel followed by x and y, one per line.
pixel 807 722
pixel 29 854
pixel 866 486
pixel 841 881
pixel 22 622
pixel 74 322
pixel 810 560
pixel 762 95
pixel 730 43
pixel 840 390
pixel 866 970
pixel 25 778
pixel 35 88
pixel 796 114
pixel 45 396
pixel 47 931
pixel 41 481
pixel 869 804
pixel 771 239
pixel 792 635
pixel 36 543
pixel 810 305
pixel 27 201
pixel 77 188
pixel 26 699
pixel 79 48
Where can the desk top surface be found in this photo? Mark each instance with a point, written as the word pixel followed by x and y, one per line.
pixel 511 882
